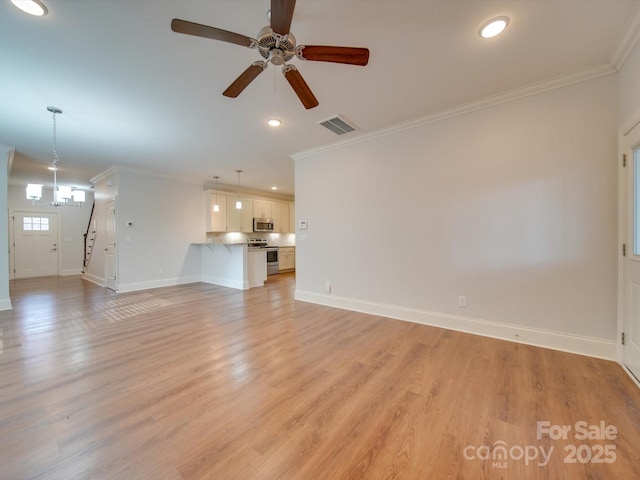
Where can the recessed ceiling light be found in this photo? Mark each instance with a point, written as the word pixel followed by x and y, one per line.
pixel 494 27
pixel 32 7
pixel 274 188
pixel 274 122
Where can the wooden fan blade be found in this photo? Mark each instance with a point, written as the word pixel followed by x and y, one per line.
pixel 245 78
pixel 281 15
pixel 190 28
pixel 325 53
pixel 301 88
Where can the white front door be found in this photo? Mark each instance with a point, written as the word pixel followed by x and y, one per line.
pixel 35 238
pixel 110 244
pixel 631 348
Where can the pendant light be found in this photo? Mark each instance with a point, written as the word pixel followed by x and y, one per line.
pixel 238 202
pixel 216 207
pixel 62 195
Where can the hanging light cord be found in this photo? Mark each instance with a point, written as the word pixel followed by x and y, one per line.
pixel 55 158
pixel 55 141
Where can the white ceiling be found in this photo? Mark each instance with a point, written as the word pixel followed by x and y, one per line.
pixel 136 94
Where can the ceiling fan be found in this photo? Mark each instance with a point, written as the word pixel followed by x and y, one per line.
pixel 277 45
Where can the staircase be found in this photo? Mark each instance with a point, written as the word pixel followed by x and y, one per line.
pixel 89 241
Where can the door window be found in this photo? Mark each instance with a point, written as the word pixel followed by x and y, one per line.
pixel 35 223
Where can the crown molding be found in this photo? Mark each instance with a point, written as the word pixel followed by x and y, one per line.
pixel 483 103
pixel 232 189
pixel 627 41
pixel 9 152
pixel 136 171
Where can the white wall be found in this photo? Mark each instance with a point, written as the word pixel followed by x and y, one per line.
pixel 6 154
pixel 628 91
pixel 513 206
pixel 167 216
pixel 73 225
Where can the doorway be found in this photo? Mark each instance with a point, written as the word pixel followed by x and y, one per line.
pixel 35 244
pixel 110 245
pixel 631 258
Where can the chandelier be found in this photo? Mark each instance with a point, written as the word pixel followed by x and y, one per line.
pixel 62 195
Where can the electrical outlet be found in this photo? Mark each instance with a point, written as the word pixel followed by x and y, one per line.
pixel 462 301
pixel 327 287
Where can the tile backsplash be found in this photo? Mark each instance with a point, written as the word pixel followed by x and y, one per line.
pixel 276 239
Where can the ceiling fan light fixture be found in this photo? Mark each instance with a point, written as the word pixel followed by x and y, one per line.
pixel 494 27
pixel 277 57
pixel 32 7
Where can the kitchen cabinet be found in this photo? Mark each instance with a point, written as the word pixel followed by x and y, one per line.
pixel 216 221
pixel 229 219
pixel 262 209
pixel 276 211
pixel 239 220
pixel 292 217
pixel 256 267
pixel 280 217
pixel 286 259
pixel 276 216
pixel 286 224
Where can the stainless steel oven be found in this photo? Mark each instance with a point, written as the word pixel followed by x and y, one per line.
pixel 272 260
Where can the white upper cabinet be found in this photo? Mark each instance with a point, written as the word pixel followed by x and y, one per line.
pixel 216 221
pixel 292 217
pixel 276 216
pixel 239 220
pixel 230 219
pixel 283 219
pixel 262 209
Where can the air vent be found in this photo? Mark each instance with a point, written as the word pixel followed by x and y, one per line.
pixel 338 124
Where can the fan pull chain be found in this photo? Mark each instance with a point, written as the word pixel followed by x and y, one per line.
pixel 274 79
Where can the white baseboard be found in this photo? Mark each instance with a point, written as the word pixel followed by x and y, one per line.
pixel 71 271
pixel 631 375
pixel 5 304
pixel 225 282
pixel 530 336
pixel 164 282
pixel 94 279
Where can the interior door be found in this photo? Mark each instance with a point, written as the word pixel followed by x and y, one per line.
pixel 631 347
pixel 110 244
pixel 35 239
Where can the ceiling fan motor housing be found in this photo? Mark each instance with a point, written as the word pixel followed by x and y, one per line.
pixel 270 49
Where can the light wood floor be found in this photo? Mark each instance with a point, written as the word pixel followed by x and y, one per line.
pixel 203 382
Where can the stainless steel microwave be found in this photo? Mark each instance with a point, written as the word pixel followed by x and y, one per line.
pixel 262 225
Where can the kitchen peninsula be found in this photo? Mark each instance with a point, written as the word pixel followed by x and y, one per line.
pixel 228 259
pixel 233 265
